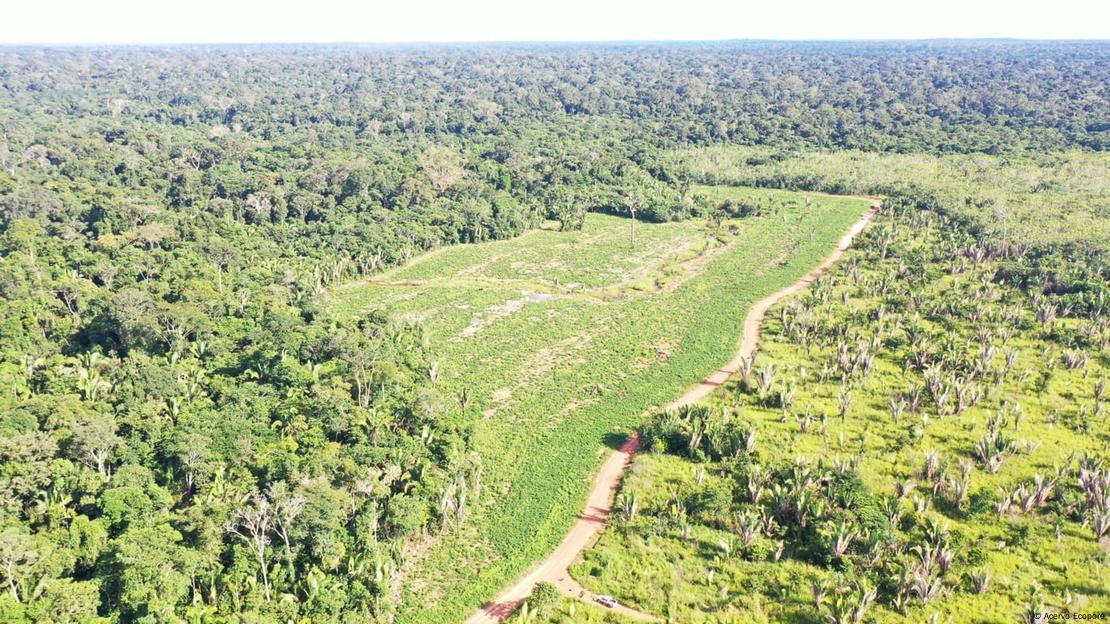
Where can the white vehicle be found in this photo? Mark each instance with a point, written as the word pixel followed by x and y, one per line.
pixel 607 601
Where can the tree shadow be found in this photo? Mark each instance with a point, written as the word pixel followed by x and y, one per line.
pixel 1083 587
pixel 614 440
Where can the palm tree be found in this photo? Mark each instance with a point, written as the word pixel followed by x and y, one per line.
pixel 821 588
pixel 844 402
pixel 629 506
pixel 843 536
pixel 850 604
pixel 926 587
pixel 980 580
pixel 749 527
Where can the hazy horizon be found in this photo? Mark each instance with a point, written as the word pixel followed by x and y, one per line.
pixel 134 22
pixel 538 42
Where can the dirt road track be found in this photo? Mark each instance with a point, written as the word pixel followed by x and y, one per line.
pixel 554 569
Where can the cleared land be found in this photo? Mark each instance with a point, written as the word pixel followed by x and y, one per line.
pixel 1045 393
pixel 563 339
pixel 554 569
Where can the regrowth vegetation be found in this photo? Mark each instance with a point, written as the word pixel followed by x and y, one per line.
pixel 923 435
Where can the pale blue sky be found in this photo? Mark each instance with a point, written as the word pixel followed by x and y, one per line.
pixel 143 21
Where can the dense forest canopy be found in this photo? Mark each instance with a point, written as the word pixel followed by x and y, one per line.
pixel 186 434
pixel 935 96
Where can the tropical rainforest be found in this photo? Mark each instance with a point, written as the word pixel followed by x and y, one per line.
pixel 192 429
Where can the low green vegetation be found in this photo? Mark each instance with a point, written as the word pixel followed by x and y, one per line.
pixel 561 339
pixel 923 437
pixel 1056 200
pixel 546 604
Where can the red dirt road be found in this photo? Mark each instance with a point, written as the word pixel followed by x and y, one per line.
pixel 554 569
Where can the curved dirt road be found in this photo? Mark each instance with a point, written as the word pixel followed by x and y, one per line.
pixel 554 569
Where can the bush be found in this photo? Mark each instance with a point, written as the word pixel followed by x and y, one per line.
pixel 544 597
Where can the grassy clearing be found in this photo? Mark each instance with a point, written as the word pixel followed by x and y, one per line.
pixel 681 568
pixel 598 256
pixel 1057 198
pixel 563 339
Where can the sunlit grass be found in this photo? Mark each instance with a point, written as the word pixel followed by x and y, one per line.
pixel 659 571
pixel 567 345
